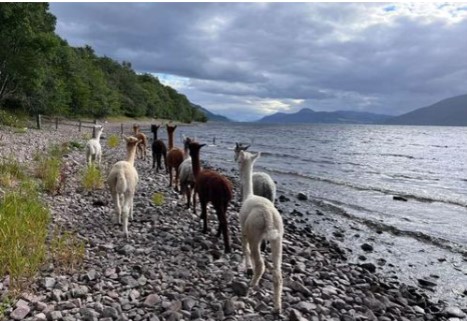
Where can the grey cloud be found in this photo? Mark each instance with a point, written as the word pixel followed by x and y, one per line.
pixel 238 52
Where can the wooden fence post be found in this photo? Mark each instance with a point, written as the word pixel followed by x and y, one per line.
pixel 38 118
pixel 56 122
pixel 94 129
pixel 121 130
pixel 79 126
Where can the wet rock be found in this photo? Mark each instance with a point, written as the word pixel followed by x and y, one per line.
pixel 454 312
pixel 369 266
pixel 302 196
pixel 54 315
pixel 367 247
pixel 399 198
pixel 151 300
pixel 426 283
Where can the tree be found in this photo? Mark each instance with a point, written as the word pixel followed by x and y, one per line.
pixel 26 37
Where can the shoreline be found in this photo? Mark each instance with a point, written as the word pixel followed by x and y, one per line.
pixel 170 270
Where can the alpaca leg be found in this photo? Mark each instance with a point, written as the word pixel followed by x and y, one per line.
pixel 116 201
pixel 169 170
pixel 225 231
pixel 276 249
pixel 247 254
pixel 125 220
pixel 257 262
pixel 204 215
pixel 99 158
pixel 188 196
pixel 194 202
pixel 130 201
pixel 165 160
pixel 154 163
pixel 176 179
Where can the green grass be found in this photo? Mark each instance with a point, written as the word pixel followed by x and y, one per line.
pixel 23 232
pixel 48 170
pixel 87 136
pixel 113 141
pixel 92 178
pixel 158 199
pixel 66 251
pixel 76 145
pixel 8 118
pixel 11 172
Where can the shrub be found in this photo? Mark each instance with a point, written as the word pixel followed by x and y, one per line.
pixel 158 199
pixel 23 231
pixel 10 172
pixel 48 170
pixel 12 120
pixel 92 178
pixel 66 251
pixel 113 141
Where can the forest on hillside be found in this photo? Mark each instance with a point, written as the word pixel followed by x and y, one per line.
pixel 41 73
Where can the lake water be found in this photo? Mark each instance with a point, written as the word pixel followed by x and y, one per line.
pixel 357 169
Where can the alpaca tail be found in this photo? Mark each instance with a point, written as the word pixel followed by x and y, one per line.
pixel 121 183
pixel 271 232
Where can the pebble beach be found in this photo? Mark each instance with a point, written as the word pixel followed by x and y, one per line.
pixel 169 270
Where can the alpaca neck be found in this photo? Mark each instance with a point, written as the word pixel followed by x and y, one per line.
pixel 131 153
pixel 98 136
pixel 247 181
pixel 171 140
pixel 155 135
pixel 195 165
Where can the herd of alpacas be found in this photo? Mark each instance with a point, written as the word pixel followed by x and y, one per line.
pixel 259 219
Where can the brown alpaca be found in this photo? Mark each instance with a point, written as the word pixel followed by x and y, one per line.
pixel 144 141
pixel 211 187
pixel 159 150
pixel 174 157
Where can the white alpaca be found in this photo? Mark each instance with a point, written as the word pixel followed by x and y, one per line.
pixel 263 185
pixel 187 179
pixel 94 149
pixel 259 220
pixel 122 181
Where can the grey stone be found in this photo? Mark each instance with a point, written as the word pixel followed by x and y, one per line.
pixel 229 307
pixel 49 283
pixel 151 300
pixel 20 312
pixel 295 315
pixel 454 312
pixel 110 312
pixel 54 315
pixel 188 303
pixel 40 317
pixel 240 288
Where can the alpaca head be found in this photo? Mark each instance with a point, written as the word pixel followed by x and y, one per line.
pixel 187 141
pixel 131 141
pixel 239 147
pixel 171 129
pixel 154 128
pixel 136 128
pixel 99 131
pixel 194 148
pixel 246 159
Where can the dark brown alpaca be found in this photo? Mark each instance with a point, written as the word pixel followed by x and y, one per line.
pixel 159 150
pixel 144 142
pixel 211 187
pixel 174 157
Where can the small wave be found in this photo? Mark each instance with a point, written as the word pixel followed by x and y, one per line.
pixel 399 155
pixel 419 198
pixel 438 241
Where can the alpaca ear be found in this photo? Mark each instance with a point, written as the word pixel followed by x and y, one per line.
pixel 246 147
pixel 201 145
pixel 255 157
pixel 125 137
pixel 237 146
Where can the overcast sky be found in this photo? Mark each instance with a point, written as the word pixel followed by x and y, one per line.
pixel 247 60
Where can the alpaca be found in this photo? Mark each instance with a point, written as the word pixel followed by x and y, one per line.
pixel 211 187
pixel 263 185
pixel 144 141
pixel 159 150
pixel 259 220
pixel 94 149
pixel 174 157
pixel 187 179
pixel 122 180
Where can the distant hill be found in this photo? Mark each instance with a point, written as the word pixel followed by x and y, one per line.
pixel 307 115
pixel 447 112
pixel 211 116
